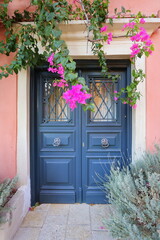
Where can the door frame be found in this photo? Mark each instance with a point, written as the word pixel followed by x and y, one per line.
pixel 81 64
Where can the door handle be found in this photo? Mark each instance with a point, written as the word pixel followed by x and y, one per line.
pixel 104 143
pixel 56 142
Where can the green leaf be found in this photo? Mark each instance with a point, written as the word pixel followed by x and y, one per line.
pixel 147 54
pixel 81 80
pixel 89 106
pixel 115 10
pixel 56 33
pixel 50 16
pixel 123 9
pixel 128 88
pixel 58 43
pixel 64 61
pixel 16 70
pixel 71 76
pixel 71 66
pixel 35 2
pixel 48 30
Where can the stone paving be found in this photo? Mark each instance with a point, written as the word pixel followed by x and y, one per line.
pixel 65 222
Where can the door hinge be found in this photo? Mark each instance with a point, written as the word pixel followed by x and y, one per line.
pixel 82 144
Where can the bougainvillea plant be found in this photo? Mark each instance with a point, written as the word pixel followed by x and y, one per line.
pixel 22 37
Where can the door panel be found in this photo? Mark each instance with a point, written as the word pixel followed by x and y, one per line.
pixel 74 150
pixel 58 152
pixel 94 140
pixel 102 134
pixel 58 141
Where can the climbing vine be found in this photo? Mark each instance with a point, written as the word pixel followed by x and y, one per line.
pixel 22 37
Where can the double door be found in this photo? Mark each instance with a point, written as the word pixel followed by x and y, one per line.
pixel 75 149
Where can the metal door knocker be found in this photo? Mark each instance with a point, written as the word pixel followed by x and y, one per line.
pixel 56 142
pixel 104 143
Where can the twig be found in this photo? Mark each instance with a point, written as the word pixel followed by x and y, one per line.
pixel 87 24
pixel 101 39
pixel 83 9
pixel 28 6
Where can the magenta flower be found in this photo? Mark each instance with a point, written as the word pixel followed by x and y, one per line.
pixel 144 39
pixel 142 21
pixel 60 83
pixel 135 50
pixel 50 59
pixel 115 98
pixel 101 227
pixel 134 106
pixel 53 70
pixel 60 70
pixel 103 29
pixel 110 35
pixel 76 95
pixel 115 91
pixel 128 25
pixel 148 43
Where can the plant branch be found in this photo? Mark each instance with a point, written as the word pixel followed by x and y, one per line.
pixel 101 39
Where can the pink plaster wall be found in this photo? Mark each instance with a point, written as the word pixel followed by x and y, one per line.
pixel 153 94
pixel 8 125
pixel 145 6
pixel 8 90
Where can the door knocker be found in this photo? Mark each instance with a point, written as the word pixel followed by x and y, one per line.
pixel 56 142
pixel 104 143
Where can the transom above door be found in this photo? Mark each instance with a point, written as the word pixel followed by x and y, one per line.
pixel 75 149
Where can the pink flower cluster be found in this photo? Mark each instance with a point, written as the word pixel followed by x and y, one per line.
pixel 50 59
pixel 129 101
pixel 60 83
pixel 135 50
pixel 59 69
pixel 132 24
pixel 141 36
pixel 103 29
pixel 76 95
pixel 110 35
pixel 115 97
pixel 128 25
pixel 144 41
pixel 142 21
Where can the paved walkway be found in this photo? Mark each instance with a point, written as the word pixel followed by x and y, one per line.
pixel 65 222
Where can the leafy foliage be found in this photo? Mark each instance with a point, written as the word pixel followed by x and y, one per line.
pixel 134 193
pixel 6 189
pixel 22 39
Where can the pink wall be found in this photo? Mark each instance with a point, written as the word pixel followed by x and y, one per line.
pixel 8 112
pixel 153 93
pixel 8 90
pixel 145 6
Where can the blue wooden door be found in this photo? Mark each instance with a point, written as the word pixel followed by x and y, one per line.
pixel 75 149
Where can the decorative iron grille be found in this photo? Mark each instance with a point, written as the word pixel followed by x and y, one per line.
pixel 54 107
pixel 102 91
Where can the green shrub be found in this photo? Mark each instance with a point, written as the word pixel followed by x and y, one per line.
pixel 134 192
pixel 7 188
